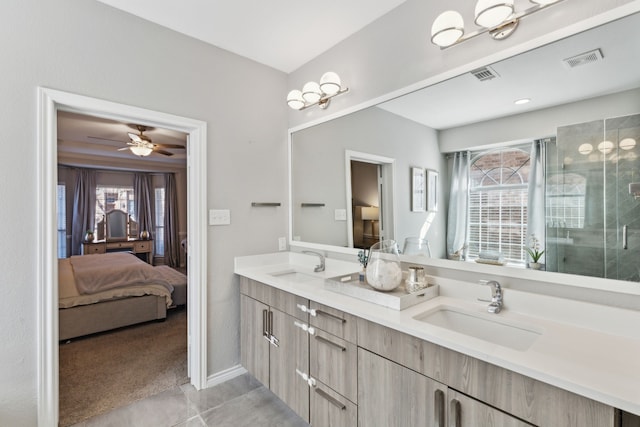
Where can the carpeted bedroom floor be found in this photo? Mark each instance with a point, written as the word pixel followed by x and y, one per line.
pixel 109 370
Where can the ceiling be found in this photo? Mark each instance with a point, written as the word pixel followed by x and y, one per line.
pixel 540 75
pixel 87 141
pixel 283 34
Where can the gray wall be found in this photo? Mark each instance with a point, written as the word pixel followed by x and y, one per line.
pixel 88 48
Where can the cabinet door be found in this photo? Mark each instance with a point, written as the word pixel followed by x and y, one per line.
pixel 330 409
pixel 467 412
pixel 391 395
pixel 254 349
pixel 289 359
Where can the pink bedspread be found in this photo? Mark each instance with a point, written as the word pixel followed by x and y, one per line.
pixel 96 273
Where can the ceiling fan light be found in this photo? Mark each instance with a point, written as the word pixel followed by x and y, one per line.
pixel 311 92
pixel 141 150
pixel 330 83
pixel 134 137
pixel 447 29
pixel 490 13
pixel 294 99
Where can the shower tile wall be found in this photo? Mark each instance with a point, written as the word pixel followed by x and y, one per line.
pixel 594 248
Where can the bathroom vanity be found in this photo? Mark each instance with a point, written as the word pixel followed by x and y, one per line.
pixel 340 361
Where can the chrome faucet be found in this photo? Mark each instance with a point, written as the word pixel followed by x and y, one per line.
pixel 319 267
pixel 496 296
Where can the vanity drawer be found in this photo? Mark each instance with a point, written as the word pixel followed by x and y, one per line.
pixel 336 322
pixel 281 300
pixel 91 249
pixel 334 362
pixel 328 408
pixel 142 246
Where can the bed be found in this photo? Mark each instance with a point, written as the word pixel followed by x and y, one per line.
pixel 101 292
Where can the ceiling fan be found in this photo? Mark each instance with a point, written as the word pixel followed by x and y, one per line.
pixel 141 145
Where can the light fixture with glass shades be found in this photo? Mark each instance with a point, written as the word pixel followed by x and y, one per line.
pixel 496 17
pixel 313 93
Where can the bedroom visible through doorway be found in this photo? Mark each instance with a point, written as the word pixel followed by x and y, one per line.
pixel 50 103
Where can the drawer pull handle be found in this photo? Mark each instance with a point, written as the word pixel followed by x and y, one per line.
pixel 331 316
pixel 439 404
pixel 455 414
pixel 331 343
pixel 333 401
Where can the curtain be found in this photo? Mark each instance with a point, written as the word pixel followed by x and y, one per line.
pixel 84 208
pixel 171 242
pixel 536 200
pixel 143 205
pixel 458 205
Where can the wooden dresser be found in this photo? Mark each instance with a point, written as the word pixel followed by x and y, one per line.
pixel 138 247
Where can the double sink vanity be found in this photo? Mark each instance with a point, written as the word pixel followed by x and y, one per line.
pixel 345 359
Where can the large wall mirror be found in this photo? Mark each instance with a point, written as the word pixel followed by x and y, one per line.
pixel 584 92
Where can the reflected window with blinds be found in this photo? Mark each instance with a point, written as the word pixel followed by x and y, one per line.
pixel 497 210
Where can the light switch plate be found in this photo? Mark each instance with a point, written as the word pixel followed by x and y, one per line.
pixel 340 214
pixel 219 217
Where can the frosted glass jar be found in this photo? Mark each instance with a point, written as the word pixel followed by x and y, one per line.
pixel 383 269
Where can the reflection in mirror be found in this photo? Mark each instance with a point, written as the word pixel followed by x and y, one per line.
pixel 466 114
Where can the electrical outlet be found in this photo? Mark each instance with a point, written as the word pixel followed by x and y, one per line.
pixel 282 243
pixel 340 214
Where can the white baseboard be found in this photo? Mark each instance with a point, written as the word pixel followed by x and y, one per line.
pixel 226 375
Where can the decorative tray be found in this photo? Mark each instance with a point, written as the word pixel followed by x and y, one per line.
pixel 397 299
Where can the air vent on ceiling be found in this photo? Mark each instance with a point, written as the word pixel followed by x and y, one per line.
pixel 584 58
pixel 484 73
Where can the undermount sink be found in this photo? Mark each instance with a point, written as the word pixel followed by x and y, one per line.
pixel 490 327
pixel 294 275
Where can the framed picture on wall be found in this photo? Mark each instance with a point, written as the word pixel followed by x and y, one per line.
pixel 432 190
pixel 418 201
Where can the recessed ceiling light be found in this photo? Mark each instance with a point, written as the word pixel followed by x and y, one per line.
pixel 522 101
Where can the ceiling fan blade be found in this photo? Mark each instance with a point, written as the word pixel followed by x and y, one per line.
pixel 123 148
pixel 166 153
pixel 97 138
pixel 134 137
pixel 170 146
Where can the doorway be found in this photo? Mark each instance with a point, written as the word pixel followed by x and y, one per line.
pixel 49 103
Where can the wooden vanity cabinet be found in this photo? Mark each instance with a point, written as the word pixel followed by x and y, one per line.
pixel 273 348
pixel 479 388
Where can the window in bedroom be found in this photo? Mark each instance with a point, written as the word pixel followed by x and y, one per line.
pixel 112 197
pixel 62 220
pixel 159 222
pixel 498 195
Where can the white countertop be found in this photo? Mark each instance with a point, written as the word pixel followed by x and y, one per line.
pixel 589 349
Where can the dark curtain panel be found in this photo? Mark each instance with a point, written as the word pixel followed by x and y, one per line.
pixel 171 240
pixel 143 203
pixel 84 208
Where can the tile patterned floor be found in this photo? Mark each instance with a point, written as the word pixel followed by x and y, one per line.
pixel 239 402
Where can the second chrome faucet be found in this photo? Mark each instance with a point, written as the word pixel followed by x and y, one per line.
pixel 496 296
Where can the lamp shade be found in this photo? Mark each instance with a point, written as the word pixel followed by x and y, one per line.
pixel 370 213
pixel 311 92
pixel 447 28
pixel 294 99
pixel 141 150
pixel 490 13
pixel 330 83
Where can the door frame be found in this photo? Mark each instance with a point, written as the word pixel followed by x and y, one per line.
pixel 51 101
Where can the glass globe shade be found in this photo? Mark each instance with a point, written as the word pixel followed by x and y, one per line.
pixel 330 83
pixel 141 150
pixel 585 149
pixel 605 147
pixel 627 144
pixel 311 92
pixel 294 99
pixel 447 28
pixel 490 13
